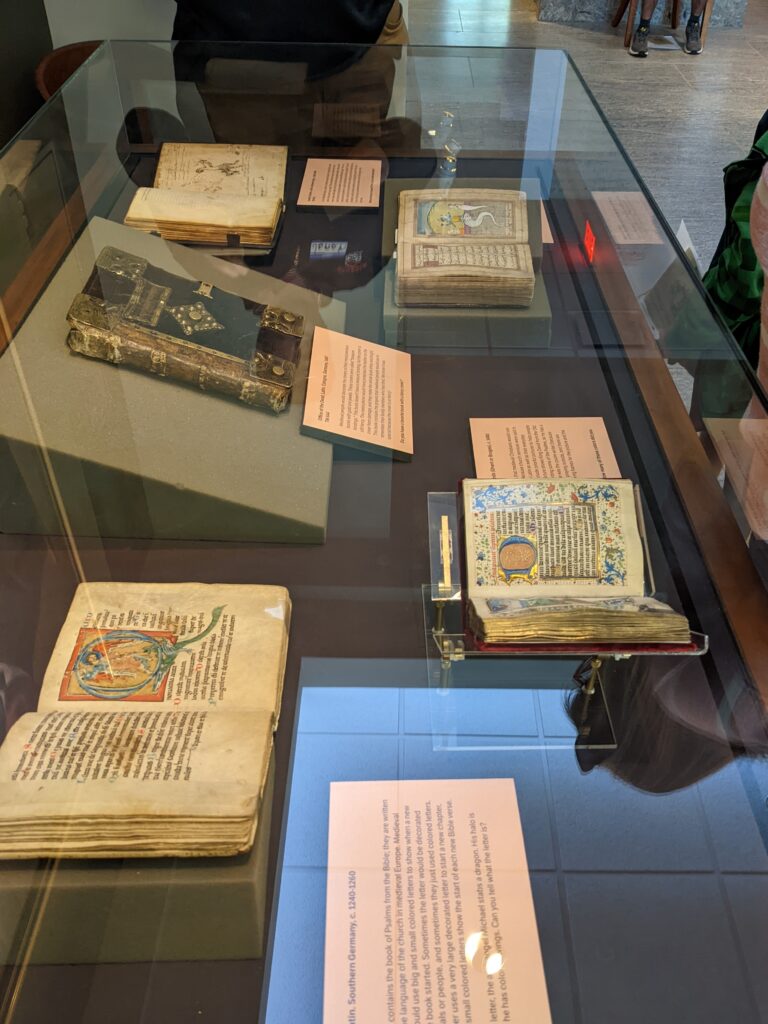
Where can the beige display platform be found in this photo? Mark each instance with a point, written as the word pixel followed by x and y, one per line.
pixel 132 911
pixel 449 329
pixel 125 454
pixel 443 328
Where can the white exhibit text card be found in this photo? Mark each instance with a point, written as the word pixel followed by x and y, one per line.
pixel 429 915
pixel 629 218
pixel 360 391
pixel 340 183
pixel 548 447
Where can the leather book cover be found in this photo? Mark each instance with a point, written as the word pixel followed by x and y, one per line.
pixel 135 314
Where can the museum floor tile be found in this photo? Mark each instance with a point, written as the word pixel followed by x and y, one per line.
pixel 680 118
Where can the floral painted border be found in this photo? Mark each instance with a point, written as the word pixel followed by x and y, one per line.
pixel 604 497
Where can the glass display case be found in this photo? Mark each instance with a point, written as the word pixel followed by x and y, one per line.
pixel 641 794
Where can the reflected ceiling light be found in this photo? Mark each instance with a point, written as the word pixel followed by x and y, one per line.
pixel 494 963
pixel 472 945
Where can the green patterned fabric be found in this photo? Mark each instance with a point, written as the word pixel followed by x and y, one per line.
pixel 735 278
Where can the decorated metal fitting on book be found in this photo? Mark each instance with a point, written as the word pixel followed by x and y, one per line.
pixel 283 321
pixel 147 303
pixel 272 370
pixel 204 289
pixel 87 311
pixel 159 362
pixel 120 263
pixel 194 318
pixel 93 331
pixel 256 392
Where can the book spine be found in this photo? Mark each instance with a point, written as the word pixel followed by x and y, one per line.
pixel 163 356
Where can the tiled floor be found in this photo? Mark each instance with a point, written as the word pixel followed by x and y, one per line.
pixel 680 118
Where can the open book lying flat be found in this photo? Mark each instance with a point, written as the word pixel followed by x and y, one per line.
pixel 154 727
pixel 463 247
pixel 560 561
pixel 214 194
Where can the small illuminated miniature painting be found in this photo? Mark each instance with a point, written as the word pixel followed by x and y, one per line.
pixel 119 664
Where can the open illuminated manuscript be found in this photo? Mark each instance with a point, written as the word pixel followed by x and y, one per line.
pixel 153 732
pixel 560 560
pixel 463 247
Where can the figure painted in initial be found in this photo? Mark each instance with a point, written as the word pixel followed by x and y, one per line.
pixel 125 664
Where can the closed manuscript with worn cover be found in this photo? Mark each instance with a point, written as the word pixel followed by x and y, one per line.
pixel 133 313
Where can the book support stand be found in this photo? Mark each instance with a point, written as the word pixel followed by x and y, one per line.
pixel 449 640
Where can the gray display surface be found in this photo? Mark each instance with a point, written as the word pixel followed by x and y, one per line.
pixel 134 910
pixel 468 328
pixel 100 450
pixel 452 329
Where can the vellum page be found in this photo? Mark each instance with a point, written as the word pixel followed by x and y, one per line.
pixel 132 782
pixel 564 537
pixel 426 259
pixel 151 206
pixel 463 247
pixel 448 214
pixel 256 171
pixel 170 645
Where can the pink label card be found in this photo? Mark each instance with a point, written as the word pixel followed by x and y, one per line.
pixel 546 228
pixel 429 912
pixel 546 448
pixel 340 183
pixel 361 391
pixel 629 218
